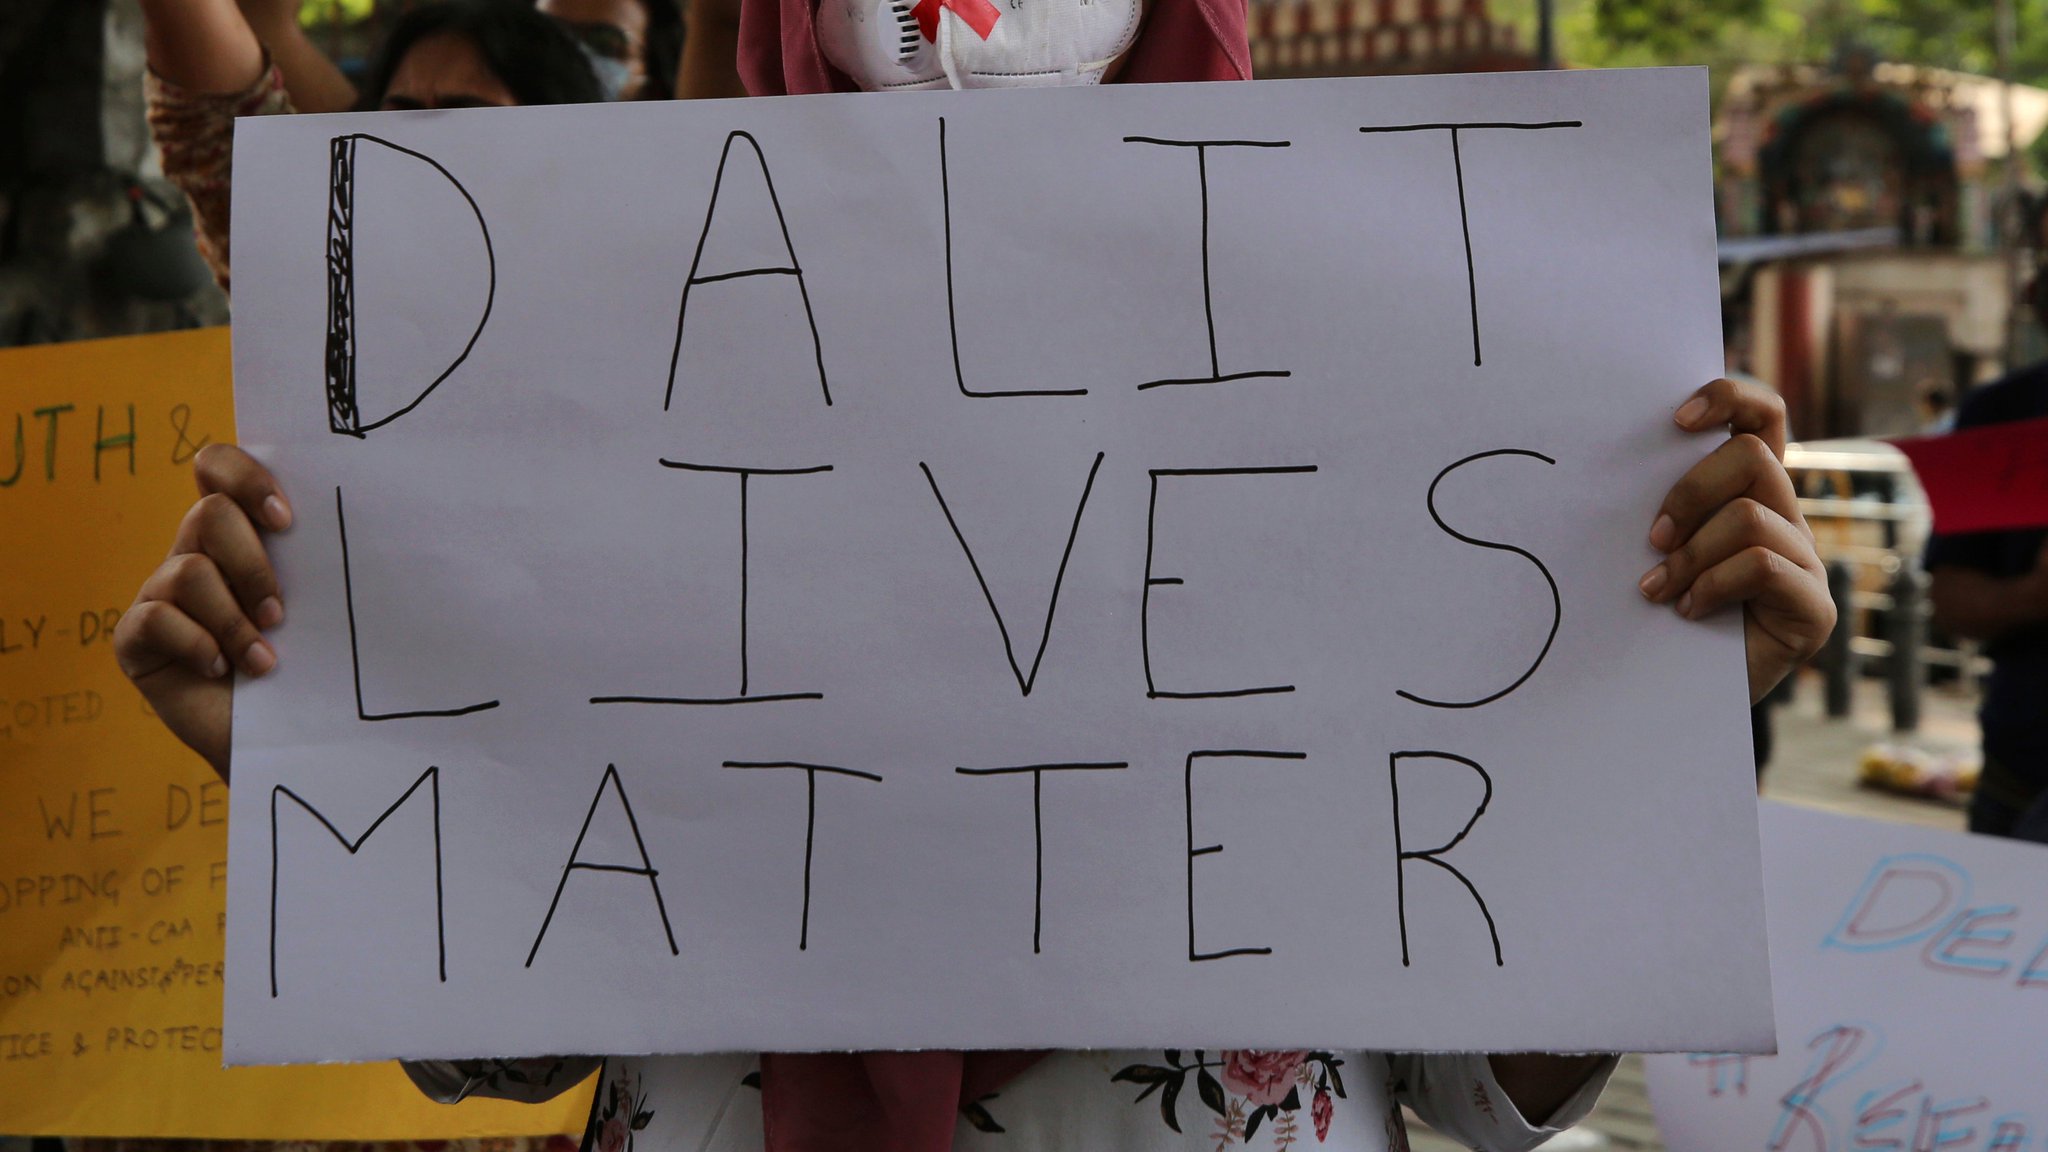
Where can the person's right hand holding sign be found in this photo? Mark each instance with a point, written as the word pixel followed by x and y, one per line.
pixel 1732 533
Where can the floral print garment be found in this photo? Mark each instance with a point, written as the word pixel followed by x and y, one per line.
pixel 195 131
pixel 619 1110
pixel 1271 1083
pixel 1156 1101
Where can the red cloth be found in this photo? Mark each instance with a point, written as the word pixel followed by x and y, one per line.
pixel 1181 40
pixel 875 1101
pixel 911 1101
pixel 1984 479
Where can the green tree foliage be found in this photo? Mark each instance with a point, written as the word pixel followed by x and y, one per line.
pixel 317 12
pixel 1670 27
pixel 1724 34
pixel 1951 34
pixel 1958 34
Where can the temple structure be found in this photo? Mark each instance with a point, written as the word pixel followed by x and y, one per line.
pixel 1867 198
pixel 1293 38
pixel 1866 274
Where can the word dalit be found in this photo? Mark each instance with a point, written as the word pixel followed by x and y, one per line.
pixel 344 402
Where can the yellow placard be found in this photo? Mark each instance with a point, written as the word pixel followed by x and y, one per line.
pixel 113 837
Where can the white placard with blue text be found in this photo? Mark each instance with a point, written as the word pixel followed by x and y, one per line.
pixel 1057 568
pixel 1911 968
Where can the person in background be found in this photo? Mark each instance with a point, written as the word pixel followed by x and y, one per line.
pixel 710 68
pixel 207 66
pixel 1935 405
pixel 634 46
pixel 1730 534
pixel 1992 587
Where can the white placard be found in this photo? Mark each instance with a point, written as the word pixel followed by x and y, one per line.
pixel 983 569
pixel 1911 968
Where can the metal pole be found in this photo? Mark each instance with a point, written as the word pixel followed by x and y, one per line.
pixel 2015 238
pixel 1837 659
pixel 1546 39
pixel 1906 628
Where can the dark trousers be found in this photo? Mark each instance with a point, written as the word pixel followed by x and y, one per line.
pixel 2009 805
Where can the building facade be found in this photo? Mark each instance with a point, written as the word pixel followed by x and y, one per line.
pixel 1293 38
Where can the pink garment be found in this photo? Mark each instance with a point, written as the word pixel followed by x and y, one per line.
pixel 1181 40
pixel 911 1101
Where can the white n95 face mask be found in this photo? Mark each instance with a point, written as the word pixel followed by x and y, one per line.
pixel 885 45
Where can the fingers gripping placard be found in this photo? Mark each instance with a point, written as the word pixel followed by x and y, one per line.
pixel 113 837
pixel 1124 440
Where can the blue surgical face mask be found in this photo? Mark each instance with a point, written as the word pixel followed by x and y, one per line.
pixel 612 75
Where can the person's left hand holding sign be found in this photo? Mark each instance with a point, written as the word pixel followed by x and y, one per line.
pixel 1732 533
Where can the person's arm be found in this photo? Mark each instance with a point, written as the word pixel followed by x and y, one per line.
pixel 201 46
pixel 711 51
pixel 1980 606
pixel 1500 1103
pixel 1539 1084
pixel 314 82
pixel 206 68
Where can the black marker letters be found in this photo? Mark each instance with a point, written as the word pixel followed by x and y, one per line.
pixel 1188 785
pixel 1299 589
pixel 344 414
pixel 432 779
pixel 645 868
pixel 1152 688
pixel 1201 147
pixel 1038 772
pixel 952 308
pixel 746 695
pixel 355 657
pixel 1556 601
pixel 1024 679
pixel 697 276
pixel 810 771
pixel 1464 218
pixel 1403 854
